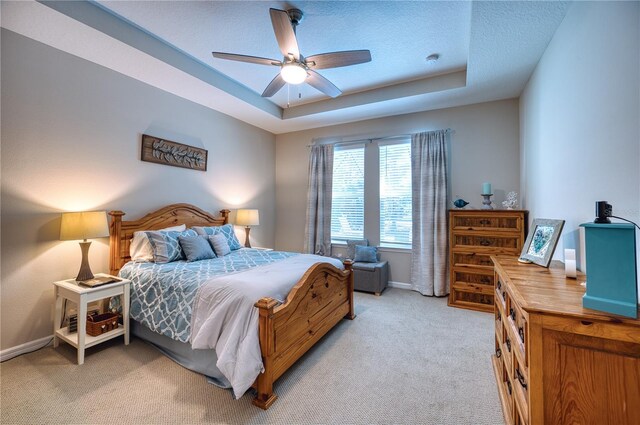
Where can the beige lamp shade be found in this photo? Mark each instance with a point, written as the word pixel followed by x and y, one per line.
pixel 83 225
pixel 246 217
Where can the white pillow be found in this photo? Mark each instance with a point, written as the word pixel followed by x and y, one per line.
pixel 140 248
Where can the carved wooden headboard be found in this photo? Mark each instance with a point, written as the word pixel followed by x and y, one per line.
pixel 121 232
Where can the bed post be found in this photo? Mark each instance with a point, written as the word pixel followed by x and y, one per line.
pixel 225 215
pixel 114 241
pixel 264 384
pixel 347 266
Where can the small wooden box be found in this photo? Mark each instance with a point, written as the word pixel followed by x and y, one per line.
pixel 101 323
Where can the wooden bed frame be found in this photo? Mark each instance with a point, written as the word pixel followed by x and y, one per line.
pixel 320 299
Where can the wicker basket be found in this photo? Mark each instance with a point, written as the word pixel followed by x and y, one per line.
pixel 101 323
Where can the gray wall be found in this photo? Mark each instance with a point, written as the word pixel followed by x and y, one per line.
pixel 579 113
pixel 71 141
pixel 484 147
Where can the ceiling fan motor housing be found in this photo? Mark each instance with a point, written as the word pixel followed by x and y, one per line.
pixel 296 16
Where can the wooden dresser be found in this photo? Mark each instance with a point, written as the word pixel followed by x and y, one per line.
pixel 475 235
pixel 556 362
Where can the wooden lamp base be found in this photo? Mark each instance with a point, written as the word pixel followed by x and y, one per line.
pixel 247 244
pixel 85 271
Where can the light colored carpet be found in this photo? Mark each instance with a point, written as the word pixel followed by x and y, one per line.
pixel 405 359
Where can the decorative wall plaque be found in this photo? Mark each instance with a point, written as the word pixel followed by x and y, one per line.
pixel 167 152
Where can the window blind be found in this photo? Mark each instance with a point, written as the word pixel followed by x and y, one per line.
pixel 347 203
pixel 395 194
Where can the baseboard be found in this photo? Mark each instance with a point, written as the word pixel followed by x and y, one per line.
pixel 399 285
pixel 27 347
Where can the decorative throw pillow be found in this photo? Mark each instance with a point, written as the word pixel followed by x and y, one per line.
pixel 140 249
pixel 196 248
pixel 219 244
pixel 351 247
pixel 366 254
pixel 226 230
pixel 165 245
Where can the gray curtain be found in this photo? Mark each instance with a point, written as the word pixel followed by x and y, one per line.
pixel 317 239
pixel 429 207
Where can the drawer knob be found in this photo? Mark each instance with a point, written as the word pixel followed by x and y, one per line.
pixel 520 377
pixel 485 242
pixel 498 352
pixel 499 285
pixel 521 333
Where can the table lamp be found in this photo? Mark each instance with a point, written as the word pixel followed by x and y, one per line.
pixel 84 225
pixel 247 218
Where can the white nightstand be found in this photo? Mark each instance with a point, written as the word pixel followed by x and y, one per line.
pixel 81 295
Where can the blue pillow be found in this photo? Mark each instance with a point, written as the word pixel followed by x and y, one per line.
pixel 351 246
pixel 165 245
pixel 219 244
pixel 366 254
pixel 196 248
pixel 226 230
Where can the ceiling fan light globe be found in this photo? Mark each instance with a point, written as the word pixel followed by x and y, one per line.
pixel 293 73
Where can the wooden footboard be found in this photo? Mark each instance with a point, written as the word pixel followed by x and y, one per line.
pixel 322 297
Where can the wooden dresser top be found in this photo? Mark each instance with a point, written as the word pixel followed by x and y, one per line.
pixel 538 289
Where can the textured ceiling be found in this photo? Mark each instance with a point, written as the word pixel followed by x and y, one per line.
pixel 488 51
pixel 400 35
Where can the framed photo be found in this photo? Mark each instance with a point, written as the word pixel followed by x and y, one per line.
pixel 541 241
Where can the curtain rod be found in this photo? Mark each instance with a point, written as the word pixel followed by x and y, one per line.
pixel 371 139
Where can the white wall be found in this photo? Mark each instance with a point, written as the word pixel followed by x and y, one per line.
pixel 580 119
pixel 71 141
pixel 484 147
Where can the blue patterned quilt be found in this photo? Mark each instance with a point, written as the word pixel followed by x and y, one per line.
pixel 162 295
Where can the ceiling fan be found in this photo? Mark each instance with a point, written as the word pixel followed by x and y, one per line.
pixel 295 68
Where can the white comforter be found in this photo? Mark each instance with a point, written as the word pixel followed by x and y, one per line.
pixel 225 319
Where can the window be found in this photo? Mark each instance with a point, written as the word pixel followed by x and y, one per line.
pixel 382 170
pixel 347 204
pixel 395 194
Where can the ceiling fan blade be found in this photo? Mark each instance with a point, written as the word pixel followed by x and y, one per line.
pixel 284 33
pixel 338 59
pixel 325 86
pixel 276 84
pixel 245 58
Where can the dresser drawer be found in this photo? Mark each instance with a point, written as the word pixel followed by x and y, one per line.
pixel 501 295
pixel 495 244
pixel 495 222
pixel 521 390
pixel 471 259
pixel 473 275
pixel 516 325
pixel 472 296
